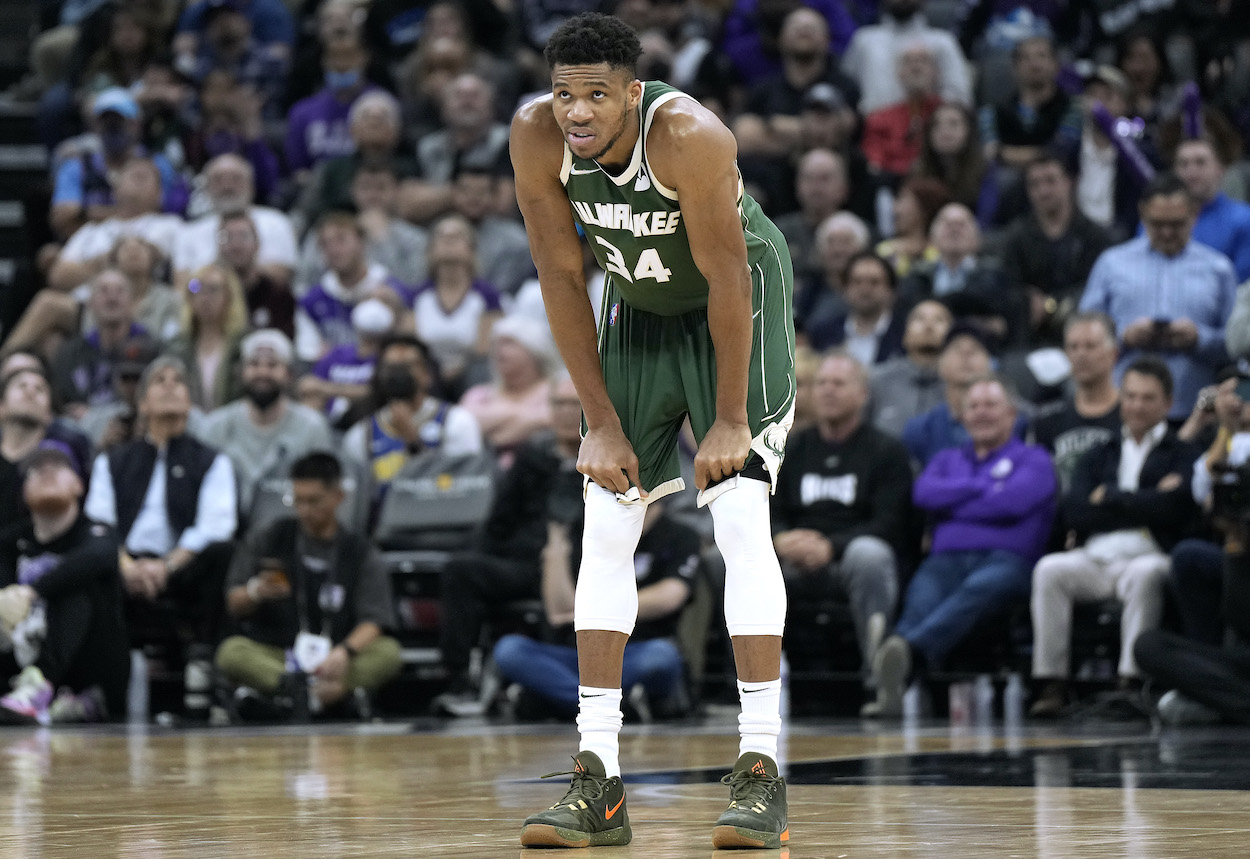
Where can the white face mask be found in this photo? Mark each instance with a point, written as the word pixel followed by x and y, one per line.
pixel 372 317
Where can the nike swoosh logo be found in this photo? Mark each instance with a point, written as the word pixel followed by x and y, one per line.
pixel 750 691
pixel 600 695
pixel 577 172
pixel 615 808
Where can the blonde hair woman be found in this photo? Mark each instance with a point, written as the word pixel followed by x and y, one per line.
pixel 214 320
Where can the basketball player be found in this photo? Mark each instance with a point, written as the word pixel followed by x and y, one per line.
pixel 696 321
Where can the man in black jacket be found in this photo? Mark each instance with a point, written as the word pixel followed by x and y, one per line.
pixel 61 604
pixel 1129 502
pixel 172 501
pixel 305 590
pixel 843 505
pixel 543 485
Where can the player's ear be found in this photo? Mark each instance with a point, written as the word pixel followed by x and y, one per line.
pixel 634 93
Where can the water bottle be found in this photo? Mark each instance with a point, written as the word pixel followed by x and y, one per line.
pixel 1013 699
pixel 137 692
pixel 983 699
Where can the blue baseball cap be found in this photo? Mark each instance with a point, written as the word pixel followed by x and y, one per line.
pixel 115 100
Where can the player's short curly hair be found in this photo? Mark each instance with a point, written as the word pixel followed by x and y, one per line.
pixel 592 38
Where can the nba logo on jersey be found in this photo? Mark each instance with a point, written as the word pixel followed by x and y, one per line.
pixel 643 182
pixel 616 308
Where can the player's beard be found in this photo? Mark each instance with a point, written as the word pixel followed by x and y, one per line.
pixel 615 137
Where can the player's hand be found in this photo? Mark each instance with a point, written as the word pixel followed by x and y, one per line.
pixel 607 458
pixel 723 453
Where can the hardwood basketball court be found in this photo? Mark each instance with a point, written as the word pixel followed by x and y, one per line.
pixel 461 789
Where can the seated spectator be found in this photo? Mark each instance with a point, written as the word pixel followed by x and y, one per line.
pixel 107 425
pixel 1140 53
pixel 952 154
pixel 325 24
pixel 227 40
pixel 390 240
pixel 172 502
pixel 894 134
pixel 821 187
pixel 82 370
pixel 1039 115
pixel 230 187
pixel 232 123
pixel 992 501
pixel 83 183
pixel 870 330
pixel 915 206
pixel 770 122
pixel 1129 503
pixel 61 604
pixel 306 578
pixel 52 316
pixel 1090 415
pixel 503 251
pixel 339 381
pixel 1198 564
pixel 317 126
pixel 873 51
pixel 214 320
pixel 822 299
pixel 543 485
pixel 453 311
pixel 1222 223
pixel 270 303
pixel 404 418
pixel 667 564
pixel 376 130
pixel 1139 284
pixel 269 22
pixel 136 212
pixel 515 404
pixel 265 431
pixel 963 359
pixel 806 362
pixel 1048 253
pixel 908 386
pixel 842 509
pixel 471 137
pixel 323 319
pixel 751 28
pixel 26 421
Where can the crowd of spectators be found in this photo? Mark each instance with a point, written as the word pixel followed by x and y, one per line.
pixel 285 228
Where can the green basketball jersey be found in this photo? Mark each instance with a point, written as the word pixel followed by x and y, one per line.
pixel 635 225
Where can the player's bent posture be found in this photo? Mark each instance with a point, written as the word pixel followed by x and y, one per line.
pixel 696 321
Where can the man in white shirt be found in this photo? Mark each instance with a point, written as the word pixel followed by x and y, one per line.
pixel 230 186
pixel 173 503
pixel 1129 501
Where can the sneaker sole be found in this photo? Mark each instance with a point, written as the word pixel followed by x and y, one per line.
pixel 729 837
pixel 549 835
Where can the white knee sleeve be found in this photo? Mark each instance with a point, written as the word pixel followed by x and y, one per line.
pixel 755 593
pixel 607 590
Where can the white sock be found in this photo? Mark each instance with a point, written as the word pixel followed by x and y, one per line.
pixel 760 720
pixel 599 721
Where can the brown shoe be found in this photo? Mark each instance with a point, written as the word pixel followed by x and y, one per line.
pixel 1053 700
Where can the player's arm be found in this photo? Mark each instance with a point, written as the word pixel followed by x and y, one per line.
pixel 696 153
pixel 537 150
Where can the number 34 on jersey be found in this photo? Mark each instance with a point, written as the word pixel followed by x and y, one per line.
pixel 620 217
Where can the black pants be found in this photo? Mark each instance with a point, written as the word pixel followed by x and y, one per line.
pixel 86 643
pixel 192 608
pixel 471 585
pixel 1216 676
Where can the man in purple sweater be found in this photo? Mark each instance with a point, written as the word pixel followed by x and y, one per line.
pixel 991 502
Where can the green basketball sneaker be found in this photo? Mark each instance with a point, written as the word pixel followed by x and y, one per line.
pixel 591 814
pixel 756 816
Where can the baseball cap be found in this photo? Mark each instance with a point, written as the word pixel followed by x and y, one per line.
pixel 52 451
pixel 824 96
pixel 267 338
pixel 135 357
pixel 1109 75
pixel 115 100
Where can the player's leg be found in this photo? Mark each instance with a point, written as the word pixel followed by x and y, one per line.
pixel 755 596
pixel 593 812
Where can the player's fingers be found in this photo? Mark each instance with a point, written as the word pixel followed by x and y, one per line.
pixel 611 479
pixel 631 470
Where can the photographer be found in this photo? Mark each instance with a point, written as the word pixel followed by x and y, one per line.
pixel 1210 683
pixel 404 419
pixel 542 486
